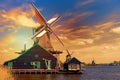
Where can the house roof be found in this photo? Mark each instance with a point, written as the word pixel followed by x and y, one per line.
pixel 73 60
pixel 33 48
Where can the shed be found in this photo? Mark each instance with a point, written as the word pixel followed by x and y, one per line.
pixel 73 64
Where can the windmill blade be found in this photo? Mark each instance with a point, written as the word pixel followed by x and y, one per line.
pixel 68 52
pixel 40 32
pixel 59 40
pixel 56 36
pixel 53 20
pixel 40 18
pixel 42 21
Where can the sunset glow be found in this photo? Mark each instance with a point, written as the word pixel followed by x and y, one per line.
pixel 89 28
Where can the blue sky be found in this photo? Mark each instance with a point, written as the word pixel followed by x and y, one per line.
pixel 90 28
pixel 100 8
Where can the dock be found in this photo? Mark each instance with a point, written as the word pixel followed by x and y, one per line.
pixel 43 71
pixel 34 71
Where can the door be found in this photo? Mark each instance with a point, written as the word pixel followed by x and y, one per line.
pixel 38 65
pixel 47 64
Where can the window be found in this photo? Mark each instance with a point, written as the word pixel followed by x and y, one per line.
pixel 36 64
pixel 73 66
pixel 36 55
pixel 25 63
pixel 10 64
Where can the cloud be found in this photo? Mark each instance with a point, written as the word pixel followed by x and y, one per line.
pixel 18 17
pixel 108 47
pixel 85 2
pixel 7 49
pixel 61 36
pixel 1 29
pixel 12 22
pixel 114 15
pixel 73 20
pixel 98 40
pixel 104 53
pixel 75 17
pixel 82 42
pixel 115 30
pixel 4 40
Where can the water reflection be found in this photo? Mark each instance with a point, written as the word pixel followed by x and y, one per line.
pixel 91 73
pixel 47 77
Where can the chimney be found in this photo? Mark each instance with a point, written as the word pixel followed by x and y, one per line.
pixel 25 47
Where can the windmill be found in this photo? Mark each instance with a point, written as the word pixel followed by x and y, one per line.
pixel 42 34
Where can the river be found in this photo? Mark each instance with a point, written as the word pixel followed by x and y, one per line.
pixel 91 73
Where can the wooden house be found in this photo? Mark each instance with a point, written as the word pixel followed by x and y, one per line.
pixel 34 58
pixel 72 65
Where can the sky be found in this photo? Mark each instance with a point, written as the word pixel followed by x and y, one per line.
pixel 90 29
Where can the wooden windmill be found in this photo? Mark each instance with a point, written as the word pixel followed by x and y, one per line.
pixel 42 33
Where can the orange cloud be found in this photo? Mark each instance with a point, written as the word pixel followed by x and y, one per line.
pixel 115 30
pixel 18 17
pixel 7 50
pixel 98 41
pixel 11 22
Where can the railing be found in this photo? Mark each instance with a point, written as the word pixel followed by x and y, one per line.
pixel 33 71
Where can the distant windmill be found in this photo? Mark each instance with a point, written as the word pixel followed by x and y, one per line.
pixel 42 34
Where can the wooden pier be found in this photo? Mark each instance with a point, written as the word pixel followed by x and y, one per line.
pixel 34 71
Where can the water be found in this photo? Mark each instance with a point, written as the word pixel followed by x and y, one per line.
pixel 91 73
pixel 102 73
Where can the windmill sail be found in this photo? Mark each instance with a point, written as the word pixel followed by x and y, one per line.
pixel 40 28
pixel 44 38
pixel 42 34
pixel 52 20
pixel 39 32
pixel 38 15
